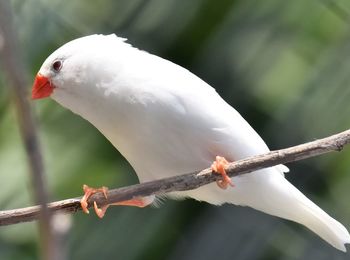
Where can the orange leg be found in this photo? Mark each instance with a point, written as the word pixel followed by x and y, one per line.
pixel 100 212
pixel 218 167
pixel 136 202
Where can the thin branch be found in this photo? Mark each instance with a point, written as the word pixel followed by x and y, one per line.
pixel 187 181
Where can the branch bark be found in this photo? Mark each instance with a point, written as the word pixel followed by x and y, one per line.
pixel 186 181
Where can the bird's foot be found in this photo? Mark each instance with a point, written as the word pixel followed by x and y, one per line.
pixel 88 192
pixel 218 167
pixel 100 212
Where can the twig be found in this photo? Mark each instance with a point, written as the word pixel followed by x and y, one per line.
pixel 187 181
pixel 16 74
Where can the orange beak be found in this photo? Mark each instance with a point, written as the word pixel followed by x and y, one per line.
pixel 42 87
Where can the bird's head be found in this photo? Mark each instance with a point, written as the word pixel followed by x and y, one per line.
pixel 71 68
pixel 49 76
pixel 56 70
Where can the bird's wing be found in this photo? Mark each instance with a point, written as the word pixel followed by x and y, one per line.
pixel 225 131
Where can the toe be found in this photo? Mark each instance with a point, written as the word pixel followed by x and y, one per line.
pixel 84 205
pixel 219 166
pixel 100 212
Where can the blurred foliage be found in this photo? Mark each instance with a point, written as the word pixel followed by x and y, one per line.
pixel 282 64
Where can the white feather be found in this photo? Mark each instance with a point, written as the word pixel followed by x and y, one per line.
pixel 166 121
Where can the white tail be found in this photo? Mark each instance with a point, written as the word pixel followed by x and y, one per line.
pixel 286 201
pixel 268 191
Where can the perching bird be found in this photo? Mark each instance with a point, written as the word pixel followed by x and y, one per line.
pixel 166 121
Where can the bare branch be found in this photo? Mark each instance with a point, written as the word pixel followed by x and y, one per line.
pixel 187 181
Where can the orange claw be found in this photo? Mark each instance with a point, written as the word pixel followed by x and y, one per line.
pixel 100 212
pixel 88 192
pixel 218 167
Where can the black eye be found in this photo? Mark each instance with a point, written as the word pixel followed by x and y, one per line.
pixel 57 65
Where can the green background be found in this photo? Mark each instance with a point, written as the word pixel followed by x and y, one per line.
pixel 284 65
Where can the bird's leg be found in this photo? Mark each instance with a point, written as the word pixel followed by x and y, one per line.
pixel 140 202
pixel 218 167
pixel 100 212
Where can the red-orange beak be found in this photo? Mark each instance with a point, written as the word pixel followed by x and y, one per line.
pixel 42 87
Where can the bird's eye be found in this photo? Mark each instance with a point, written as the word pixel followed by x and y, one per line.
pixel 57 65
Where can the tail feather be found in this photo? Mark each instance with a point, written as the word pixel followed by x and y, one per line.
pixel 288 202
pixel 268 191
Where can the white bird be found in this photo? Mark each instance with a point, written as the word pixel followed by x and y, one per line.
pixel 166 121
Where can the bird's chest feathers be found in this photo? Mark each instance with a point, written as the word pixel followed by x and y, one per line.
pixel 156 135
pixel 151 127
